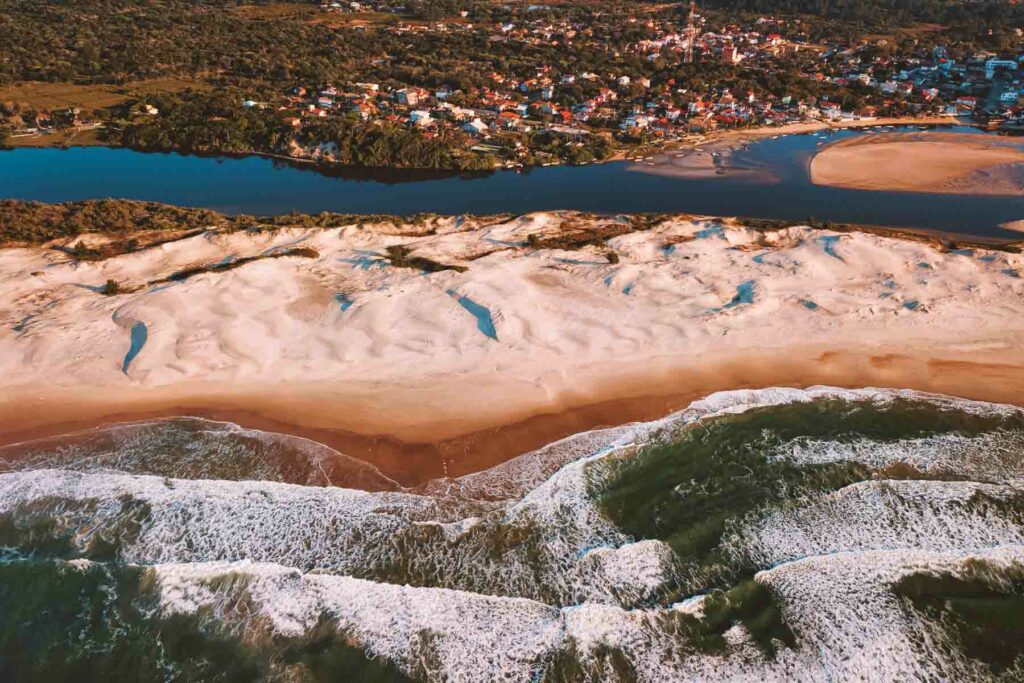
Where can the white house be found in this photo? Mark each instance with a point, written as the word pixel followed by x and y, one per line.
pixel 420 117
pixel 475 127
pixel 993 64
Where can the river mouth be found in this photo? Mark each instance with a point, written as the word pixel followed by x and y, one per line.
pixel 261 186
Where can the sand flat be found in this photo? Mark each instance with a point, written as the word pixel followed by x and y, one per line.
pixel 941 162
pixel 450 372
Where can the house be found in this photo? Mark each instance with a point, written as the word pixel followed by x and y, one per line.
pixel 831 112
pixel 420 118
pixel 363 110
pixel 635 121
pixel 409 96
pixel 993 65
pixel 508 119
pixel 966 104
pixel 475 127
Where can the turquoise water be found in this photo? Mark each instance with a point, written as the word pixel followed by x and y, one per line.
pixel 139 334
pixel 829 243
pixel 484 322
pixel 344 301
pixel 256 185
pixel 744 295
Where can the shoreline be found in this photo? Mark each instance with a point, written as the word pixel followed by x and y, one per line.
pixel 731 136
pixel 944 163
pixel 457 432
pixel 713 156
pixel 738 136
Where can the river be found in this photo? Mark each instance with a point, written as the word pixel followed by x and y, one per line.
pixel 257 185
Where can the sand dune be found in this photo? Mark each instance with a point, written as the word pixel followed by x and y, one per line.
pixel 944 163
pixel 449 372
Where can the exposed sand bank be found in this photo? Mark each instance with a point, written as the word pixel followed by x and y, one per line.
pixel 716 155
pixel 945 163
pixel 1016 226
pixel 449 372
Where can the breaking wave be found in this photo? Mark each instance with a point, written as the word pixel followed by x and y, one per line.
pixel 774 534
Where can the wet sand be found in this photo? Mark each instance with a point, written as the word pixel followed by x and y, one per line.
pixel 447 429
pixel 715 155
pixel 943 163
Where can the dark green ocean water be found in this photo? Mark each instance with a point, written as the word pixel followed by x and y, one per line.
pixel 770 535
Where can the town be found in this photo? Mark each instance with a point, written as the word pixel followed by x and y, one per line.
pixel 670 78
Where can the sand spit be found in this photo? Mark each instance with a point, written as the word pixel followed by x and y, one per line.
pixel 945 163
pixel 424 374
pixel 717 154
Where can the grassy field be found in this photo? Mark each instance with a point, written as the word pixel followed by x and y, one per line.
pixel 90 97
pixel 85 137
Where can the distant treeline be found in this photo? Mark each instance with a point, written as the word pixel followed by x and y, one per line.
pixel 116 41
pixel 989 23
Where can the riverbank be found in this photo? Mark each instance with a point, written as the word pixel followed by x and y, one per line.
pixel 537 327
pixel 715 155
pixel 946 163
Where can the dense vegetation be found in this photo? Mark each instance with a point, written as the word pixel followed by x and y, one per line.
pixel 117 41
pixel 260 51
pixel 34 222
pixel 130 41
pixel 200 122
pixel 214 122
pixel 987 23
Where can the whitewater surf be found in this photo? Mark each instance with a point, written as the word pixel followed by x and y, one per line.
pixel 775 534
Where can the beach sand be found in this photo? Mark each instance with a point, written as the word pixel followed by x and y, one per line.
pixel 415 434
pixel 941 162
pixel 427 374
pixel 716 155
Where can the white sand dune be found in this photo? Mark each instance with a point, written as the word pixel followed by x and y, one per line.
pixel 520 330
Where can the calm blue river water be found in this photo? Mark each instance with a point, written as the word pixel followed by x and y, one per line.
pixel 257 185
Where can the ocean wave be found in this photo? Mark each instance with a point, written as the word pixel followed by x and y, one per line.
pixel 196 448
pixel 759 534
pixel 848 617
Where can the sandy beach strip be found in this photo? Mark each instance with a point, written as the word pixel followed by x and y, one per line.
pixel 417 433
pixel 944 162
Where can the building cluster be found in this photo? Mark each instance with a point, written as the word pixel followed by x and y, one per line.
pixel 513 116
